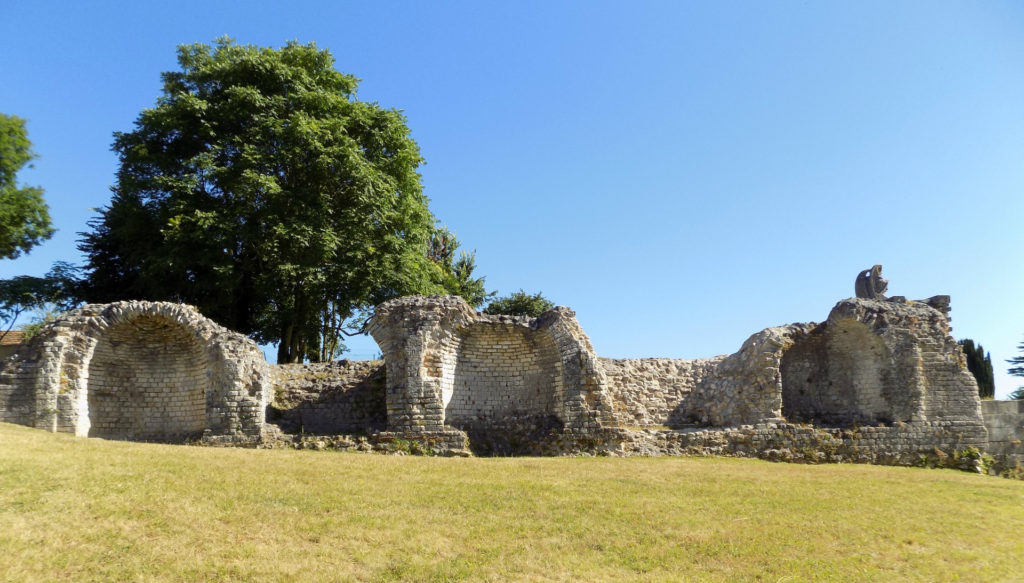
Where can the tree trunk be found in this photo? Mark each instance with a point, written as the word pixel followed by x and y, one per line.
pixel 284 347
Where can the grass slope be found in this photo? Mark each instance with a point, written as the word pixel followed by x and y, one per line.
pixel 76 509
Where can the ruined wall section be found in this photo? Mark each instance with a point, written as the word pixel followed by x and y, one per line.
pixel 18 378
pixel 147 381
pixel 650 392
pixel 746 387
pixel 1004 421
pixel 871 362
pixel 584 403
pixel 419 338
pixel 880 361
pixel 328 398
pixel 448 365
pixel 137 370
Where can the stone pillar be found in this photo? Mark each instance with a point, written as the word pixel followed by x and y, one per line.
pixel 418 337
pixel 585 400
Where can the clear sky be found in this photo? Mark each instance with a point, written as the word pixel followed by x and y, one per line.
pixel 681 174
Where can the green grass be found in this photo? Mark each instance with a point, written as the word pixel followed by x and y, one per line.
pixel 75 509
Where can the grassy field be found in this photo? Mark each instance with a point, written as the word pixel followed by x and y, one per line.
pixel 92 510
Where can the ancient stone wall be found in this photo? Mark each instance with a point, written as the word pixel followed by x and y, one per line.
pixel 953 444
pixel 137 370
pixel 503 369
pixel 147 381
pixel 879 361
pixel 651 392
pixel 1005 423
pixel 745 387
pixel 880 380
pixel 328 398
pixel 450 367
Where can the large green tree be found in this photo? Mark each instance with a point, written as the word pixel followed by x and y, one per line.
pixel 24 218
pixel 980 364
pixel 261 190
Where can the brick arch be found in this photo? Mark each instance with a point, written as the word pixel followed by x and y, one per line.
pixel 839 374
pixel 148 379
pixel 154 371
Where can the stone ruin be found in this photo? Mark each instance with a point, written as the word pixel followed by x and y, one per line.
pixel 145 371
pixel 881 380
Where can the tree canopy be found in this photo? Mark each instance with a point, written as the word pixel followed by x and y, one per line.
pixel 520 303
pixel 456 272
pixel 980 364
pixel 260 189
pixel 24 218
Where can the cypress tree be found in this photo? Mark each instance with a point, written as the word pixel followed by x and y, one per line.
pixel 980 364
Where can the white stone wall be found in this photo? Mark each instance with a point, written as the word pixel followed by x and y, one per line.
pixel 148 380
pixel 503 369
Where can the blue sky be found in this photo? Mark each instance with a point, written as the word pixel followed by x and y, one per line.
pixel 681 174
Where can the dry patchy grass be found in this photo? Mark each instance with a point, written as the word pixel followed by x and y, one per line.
pixel 93 510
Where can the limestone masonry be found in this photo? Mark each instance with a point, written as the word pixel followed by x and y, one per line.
pixel 140 371
pixel 881 380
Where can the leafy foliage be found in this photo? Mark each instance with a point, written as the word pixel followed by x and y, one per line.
pixel 1017 394
pixel 520 303
pixel 262 191
pixel 24 218
pixel 980 364
pixel 456 273
pixel 56 291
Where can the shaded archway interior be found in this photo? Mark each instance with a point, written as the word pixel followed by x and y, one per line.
pixel 837 375
pixel 148 380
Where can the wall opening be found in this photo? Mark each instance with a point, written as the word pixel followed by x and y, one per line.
pixel 148 380
pixel 837 375
pixel 504 372
pixel 806 388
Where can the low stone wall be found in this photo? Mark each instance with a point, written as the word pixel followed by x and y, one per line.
pixel 449 443
pixel 651 392
pixel 1004 421
pixel 942 444
pixel 328 398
